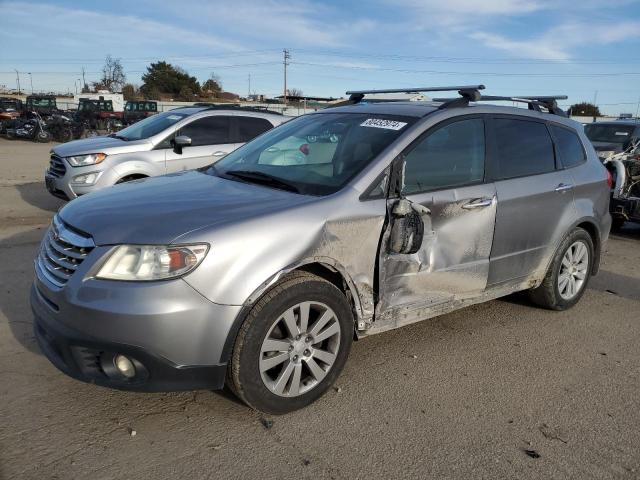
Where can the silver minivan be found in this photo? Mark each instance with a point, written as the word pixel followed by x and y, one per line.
pixel 180 139
pixel 261 270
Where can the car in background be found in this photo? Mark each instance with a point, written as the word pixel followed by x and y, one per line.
pixel 611 137
pixel 617 143
pixel 136 110
pixel 181 139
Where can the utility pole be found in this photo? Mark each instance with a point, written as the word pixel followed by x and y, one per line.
pixel 83 81
pixel 285 62
pixel 638 108
pixel 595 105
pixel 17 80
pixel 249 90
pixel 31 81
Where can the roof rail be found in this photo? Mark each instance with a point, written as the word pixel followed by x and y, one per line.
pixel 232 106
pixel 534 102
pixel 465 91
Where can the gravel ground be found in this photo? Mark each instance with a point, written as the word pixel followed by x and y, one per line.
pixel 498 390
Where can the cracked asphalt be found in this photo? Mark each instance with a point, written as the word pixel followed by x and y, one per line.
pixel 498 390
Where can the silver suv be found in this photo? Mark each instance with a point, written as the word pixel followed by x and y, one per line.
pixel 181 139
pixel 260 271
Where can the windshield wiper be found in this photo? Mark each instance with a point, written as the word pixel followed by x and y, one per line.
pixel 119 137
pixel 263 178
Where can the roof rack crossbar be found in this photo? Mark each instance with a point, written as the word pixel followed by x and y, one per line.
pixel 534 102
pixel 417 90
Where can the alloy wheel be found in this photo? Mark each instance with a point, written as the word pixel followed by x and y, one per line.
pixel 573 270
pixel 299 349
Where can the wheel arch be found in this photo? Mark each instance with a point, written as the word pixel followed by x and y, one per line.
pixel 323 267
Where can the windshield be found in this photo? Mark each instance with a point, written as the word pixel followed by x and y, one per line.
pixel 151 126
pixel 609 133
pixel 314 154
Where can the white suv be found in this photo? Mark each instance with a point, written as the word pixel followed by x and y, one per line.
pixel 181 139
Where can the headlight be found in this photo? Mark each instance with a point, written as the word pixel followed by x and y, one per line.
pixel 151 262
pixel 83 160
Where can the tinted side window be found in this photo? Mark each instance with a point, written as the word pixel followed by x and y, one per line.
pixel 251 127
pixel 523 148
pixel 451 156
pixel 207 131
pixel 569 147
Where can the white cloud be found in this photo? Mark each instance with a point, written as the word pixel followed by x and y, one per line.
pixel 558 42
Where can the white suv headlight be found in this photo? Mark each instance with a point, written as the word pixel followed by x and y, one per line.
pixel 84 160
pixel 151 262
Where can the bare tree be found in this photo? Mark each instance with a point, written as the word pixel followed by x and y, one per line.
pixel 294 92
pixel 113 77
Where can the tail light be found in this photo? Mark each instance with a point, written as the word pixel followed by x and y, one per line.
pixel 610 181
pixel 304 148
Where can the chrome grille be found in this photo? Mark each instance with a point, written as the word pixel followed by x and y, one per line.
pixel 61 252
pixel 57 167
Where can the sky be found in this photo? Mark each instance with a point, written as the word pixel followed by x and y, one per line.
pixel 586 49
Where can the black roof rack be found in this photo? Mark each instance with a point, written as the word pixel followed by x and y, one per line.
pixel 465 91
pixel 233 106
pixel 534 102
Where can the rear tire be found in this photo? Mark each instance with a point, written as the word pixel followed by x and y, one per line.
pixel 569 273
pixel 305 364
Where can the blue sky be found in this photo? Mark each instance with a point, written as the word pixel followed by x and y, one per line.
pixel 515 47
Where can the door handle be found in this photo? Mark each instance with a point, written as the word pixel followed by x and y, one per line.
pixel 564 186
pixel 219 153
pixel 478 203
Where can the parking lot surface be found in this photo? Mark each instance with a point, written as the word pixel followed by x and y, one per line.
pixel 498 390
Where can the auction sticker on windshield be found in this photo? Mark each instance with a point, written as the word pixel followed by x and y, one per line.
pixel 381 123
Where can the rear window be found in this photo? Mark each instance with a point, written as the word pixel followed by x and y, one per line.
pixel 250 127
pixel 569 147
pixel 609 133
pixel 523 148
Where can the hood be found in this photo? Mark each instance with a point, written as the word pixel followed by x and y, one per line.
pixel 108 145
pixel 157 210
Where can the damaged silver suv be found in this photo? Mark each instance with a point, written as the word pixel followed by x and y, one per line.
pixel 260 271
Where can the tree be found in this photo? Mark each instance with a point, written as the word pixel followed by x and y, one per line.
pixel 113 77
pixel 130 91
pixel 164 78
pixel 585 109
pixel 294 92
pixel 213 86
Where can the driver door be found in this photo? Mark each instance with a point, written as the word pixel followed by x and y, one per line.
pixel 436 245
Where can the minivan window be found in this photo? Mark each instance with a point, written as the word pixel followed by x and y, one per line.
pixel 314 154
pixel 523 148
pixel 451 156
pixel 150 126
pixel 251 127
pixel 212 130
pixel 569 147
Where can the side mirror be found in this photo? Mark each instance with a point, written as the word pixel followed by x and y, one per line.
pixel 407 227
pixel 179 142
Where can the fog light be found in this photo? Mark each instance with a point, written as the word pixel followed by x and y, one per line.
pixel 125 366
pixel 86 179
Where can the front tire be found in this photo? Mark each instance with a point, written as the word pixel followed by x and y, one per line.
pixel 292 346
pixel 568 275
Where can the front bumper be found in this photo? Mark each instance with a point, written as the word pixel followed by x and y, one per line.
pixel 175 337
pixel 63 186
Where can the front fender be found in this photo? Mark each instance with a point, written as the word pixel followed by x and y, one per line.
pixel 138 167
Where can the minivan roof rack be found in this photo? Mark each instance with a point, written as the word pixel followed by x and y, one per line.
pixel 231 106
pixel 534 102
pixel 466 91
